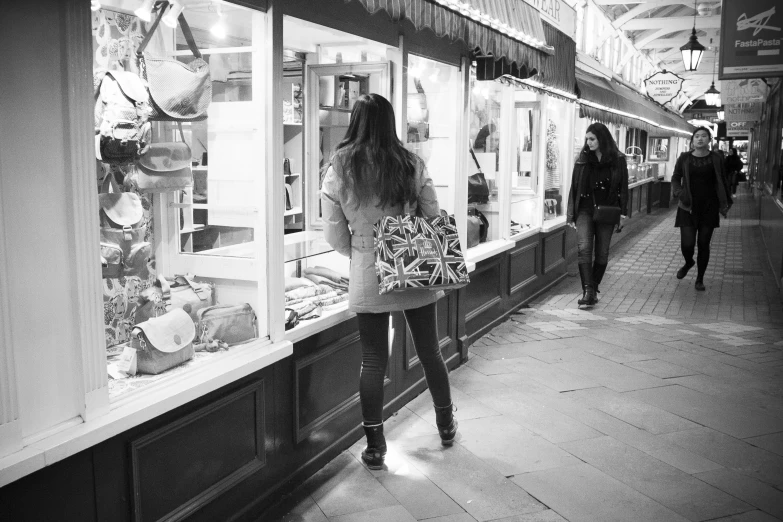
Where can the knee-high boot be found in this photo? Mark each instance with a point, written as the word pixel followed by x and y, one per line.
pixel 598 274
pixel 586 272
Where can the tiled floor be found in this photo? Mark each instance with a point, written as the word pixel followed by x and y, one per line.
pixel 658 404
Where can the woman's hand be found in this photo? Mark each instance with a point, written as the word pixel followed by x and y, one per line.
pixel 571 224
pixel 621 224
pixel 724 211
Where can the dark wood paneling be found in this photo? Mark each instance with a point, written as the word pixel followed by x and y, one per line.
pixel 484 290
pixel 554 251
pixel 522 267
pixel 326 383
pixel 190 462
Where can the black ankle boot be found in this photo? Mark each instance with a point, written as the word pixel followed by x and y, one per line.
pixel 375 451
pixel 588 297
pixel 598 274
pixel 447 424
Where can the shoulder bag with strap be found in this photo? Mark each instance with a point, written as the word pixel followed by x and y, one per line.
pixel 165 167
pixel 478 189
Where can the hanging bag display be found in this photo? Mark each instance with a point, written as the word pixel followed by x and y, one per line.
pixel 163 342
pixel 177 91
pixel 165 167
pixel 478 189
pixel 418 253
pixel 124 251
pixel 122 132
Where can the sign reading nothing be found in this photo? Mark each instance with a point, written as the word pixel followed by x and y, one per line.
pixel 751 39
pixel 743 112
pixel 663 87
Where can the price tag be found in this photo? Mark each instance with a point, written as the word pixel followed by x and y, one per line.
pixel 127 362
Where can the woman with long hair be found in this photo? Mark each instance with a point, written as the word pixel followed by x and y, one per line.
pixel 372 175
pixel 733 168
pixel 699 182
pixel 600 178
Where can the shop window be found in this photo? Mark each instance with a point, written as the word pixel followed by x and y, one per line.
pixel 558 160
pixel 525 176
pixel 202 240
pixel 324 73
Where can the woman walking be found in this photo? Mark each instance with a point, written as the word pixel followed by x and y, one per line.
pixel 699 182
pixel 733 168
pixel 600 178
pixel 372 175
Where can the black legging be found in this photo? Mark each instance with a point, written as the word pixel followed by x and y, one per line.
pixel 688 241
pixel 374 334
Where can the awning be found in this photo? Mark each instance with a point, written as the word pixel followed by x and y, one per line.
pixel 556 72
pixel 507 29
pixel 609 102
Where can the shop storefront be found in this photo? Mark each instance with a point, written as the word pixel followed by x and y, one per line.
pixel 234 235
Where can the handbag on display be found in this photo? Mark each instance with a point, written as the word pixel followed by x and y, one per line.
pixel 164 342
pixel 180 292
pixel 229 324
pixel 606 214
pixel 478 189
pixel 288 192
pixel 122 132
pixel 418 253
pixel 286 167
pixel 291 318
pixel 124 251
pixel 165 167
pixel 178 91
pixel 478 227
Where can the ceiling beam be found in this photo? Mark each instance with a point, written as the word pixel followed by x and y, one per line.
pixel 673 23
pixel 642 42
pixel 669 43
pixel 641 9
pixel 654 2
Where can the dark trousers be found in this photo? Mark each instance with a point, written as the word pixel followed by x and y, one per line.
pixel 374 335
pixel 690 237
pixel 590 234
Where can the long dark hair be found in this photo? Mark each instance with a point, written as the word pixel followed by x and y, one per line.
pixel 606 143
pixel 378 163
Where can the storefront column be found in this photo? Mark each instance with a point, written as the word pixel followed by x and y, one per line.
pixel 10 428
pixel 87 309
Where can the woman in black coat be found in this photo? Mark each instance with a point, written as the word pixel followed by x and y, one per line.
pixel 733 167
pixel 600 178
pixel 700 183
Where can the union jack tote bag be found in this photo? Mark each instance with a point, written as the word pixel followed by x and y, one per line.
pixel 415 252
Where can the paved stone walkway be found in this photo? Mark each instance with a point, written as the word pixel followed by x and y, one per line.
pixel 658 404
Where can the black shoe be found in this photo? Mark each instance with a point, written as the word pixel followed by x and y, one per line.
pixel 588 297
pixel 447 424
pixel 700 286
pixel 682 272
pixel 375 451
pixel 598 275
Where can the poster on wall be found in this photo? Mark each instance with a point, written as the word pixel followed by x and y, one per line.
pixel 751 40
pixel 740 91
pixel 743 111
pixel 663 86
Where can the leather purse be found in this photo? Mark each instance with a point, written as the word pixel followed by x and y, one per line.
pixel 478 189
pixel 478 227
pixel 229 324
pixel 177 91
pixel 605 214
pixel 124 250
pixel 180 292
pixel 165 167
pixel 163 342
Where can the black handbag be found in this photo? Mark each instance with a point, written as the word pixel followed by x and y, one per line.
pixel 478 189
pixel 605 214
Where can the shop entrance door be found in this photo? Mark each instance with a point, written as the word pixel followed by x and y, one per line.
pixel 331 91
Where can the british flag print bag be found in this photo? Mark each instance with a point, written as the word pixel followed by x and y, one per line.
pixel 415 252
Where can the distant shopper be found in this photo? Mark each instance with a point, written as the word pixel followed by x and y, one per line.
pixel 600 178
pixel 372 175
pixel 733 168
pixel 699 181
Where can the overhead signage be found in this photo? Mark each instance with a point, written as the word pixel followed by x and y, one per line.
pixel 558 14
pixel 751 39
pixel 743 111
pixel 741 91
pixel 663 86
pixel 738 128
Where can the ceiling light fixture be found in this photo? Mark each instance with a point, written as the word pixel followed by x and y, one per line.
pixel 712 96
pixel 722 115
pixel 95 5
pixel 144 12
pixel 170 19
pixel 693 50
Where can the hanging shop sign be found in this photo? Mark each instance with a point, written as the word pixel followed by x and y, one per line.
pixel 751 40
pixel 743 111
pixel 742 91
pixel 663 86
pixel 738 128
pixel 558 14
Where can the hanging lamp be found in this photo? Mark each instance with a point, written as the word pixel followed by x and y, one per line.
pixel 693 50
pixel 712 96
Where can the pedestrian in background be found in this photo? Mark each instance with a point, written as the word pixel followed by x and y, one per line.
pixel 372 175
pixel 733 168
pixel 600 178
pixel 699 182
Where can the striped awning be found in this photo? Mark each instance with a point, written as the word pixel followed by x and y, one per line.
pixel 509 29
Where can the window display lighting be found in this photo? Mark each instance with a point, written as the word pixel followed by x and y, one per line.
pixel 219 29
pixel 693 50
pixel 95 5
pixel 170 19
pixel 144 12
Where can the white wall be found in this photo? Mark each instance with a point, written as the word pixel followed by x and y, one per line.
pixel 33 200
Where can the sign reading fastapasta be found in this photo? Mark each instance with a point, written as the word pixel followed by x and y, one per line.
pixel 751 39
pixel 663 87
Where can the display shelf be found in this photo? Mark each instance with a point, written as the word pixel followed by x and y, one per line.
pixel 293 212
pixel 302 245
